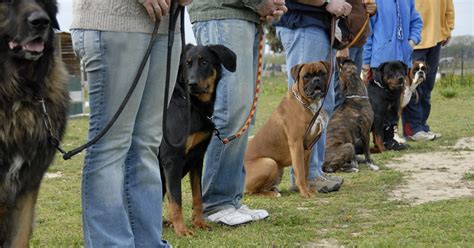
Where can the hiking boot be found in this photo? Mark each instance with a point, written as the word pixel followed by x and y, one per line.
pixel 321 184
pixel 422 136
pixel 394 145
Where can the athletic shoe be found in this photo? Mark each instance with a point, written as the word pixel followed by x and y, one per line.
pixel 230 217
pixel 394 145
pixel 422 136
pixel 256 214
pixel 437 135
pixel 321 184
pixel 340 180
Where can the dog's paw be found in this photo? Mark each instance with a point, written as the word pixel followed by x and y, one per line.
pixel 181 230
pixel 201 224
pixel 306 193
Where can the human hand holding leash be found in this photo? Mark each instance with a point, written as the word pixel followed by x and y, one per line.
pixel 370 6
pixel 157 8
pixel 272 10
pixel 339 8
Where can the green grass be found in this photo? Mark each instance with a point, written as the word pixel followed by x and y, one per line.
pixel 360 214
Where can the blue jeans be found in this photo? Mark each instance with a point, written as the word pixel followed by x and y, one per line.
pixel 121 184
pixel 305 45
pixel 415 114
pixel 355 54
pixel 224 175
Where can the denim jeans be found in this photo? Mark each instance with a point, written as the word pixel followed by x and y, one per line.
pixel 303 45
pixel 224 175
pixel 121 184
pixel 415 114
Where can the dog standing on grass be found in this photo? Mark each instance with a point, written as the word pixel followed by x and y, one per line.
pixel 279 143
pixel 349 127
pixel 200 70
pixel 32 77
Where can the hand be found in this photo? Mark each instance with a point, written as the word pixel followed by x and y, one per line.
pixel 157 8
pixel 370 6
pixel 339 8
pixel 446 41
pixel 365 74
pixel 184 2
pixel 412 43
pixel 344 53
pixel 272 10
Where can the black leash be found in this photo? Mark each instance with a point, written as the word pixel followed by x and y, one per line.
pixel 55 141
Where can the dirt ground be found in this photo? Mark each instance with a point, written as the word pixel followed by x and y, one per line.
pixel 437 175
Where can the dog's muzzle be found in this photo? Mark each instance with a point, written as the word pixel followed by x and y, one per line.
pixel 315 88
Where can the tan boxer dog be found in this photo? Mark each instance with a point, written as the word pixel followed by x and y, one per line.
pixel 279 143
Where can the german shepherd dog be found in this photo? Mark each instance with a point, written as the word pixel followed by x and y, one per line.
pixel 200 70
pixel 31 77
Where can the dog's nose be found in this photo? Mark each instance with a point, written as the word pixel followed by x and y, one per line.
pixel 317 80
pixel 38 20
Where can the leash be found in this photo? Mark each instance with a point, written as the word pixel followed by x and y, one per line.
pixel 55 141
pixel 306 145
pixel 361 31
pixel 251 114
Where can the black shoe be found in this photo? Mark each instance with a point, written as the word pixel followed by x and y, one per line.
pixel 394 145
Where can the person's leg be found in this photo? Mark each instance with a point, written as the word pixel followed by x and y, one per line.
pixel 110 73
pixel 224 175
pixel 412 114
pixel 432 59
pixel 305 45
pixel 355 54
pixel 143 187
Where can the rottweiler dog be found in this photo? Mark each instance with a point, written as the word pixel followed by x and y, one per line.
pixel 349 127
pixel 200 70
pixel 279 143
pixel 385 89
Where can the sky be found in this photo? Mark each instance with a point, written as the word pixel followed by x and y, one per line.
pixel 464 13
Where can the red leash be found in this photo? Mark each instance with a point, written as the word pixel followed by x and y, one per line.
pixel 251 114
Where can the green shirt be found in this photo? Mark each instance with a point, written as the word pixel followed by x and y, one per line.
pixel 205 10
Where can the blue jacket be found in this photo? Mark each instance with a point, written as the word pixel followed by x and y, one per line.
pixel 384 44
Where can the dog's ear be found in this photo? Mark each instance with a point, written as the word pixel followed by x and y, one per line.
pixel 188 46
pixel 377 73
pixel 52 9
pixel 226 56
pixel 295 71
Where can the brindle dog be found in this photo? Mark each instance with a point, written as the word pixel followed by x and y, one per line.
pixel 349 127
pixel 30 73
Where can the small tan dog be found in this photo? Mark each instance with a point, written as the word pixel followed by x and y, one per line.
pixel 279 143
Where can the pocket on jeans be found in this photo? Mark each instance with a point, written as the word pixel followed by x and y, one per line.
pixel 77 36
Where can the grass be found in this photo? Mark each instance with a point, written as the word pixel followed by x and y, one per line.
pixel 360 214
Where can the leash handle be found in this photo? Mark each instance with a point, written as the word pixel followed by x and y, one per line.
pixel 306 145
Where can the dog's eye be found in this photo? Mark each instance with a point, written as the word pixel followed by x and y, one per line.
pixel 189 63
pixel 306 76
pixel 203 62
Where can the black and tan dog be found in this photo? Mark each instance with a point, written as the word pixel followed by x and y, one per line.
pixel 31 73
pixel 349 127
pixel 385 92
pixel 200 70
pixel 279 143
pixel 416 77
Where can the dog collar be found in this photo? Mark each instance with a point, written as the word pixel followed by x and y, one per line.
pixel 357 96
pixel 298 98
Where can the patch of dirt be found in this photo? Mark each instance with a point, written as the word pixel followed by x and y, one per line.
pixel 436 176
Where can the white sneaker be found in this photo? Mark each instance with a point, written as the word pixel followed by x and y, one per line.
pixel 256 214
pixel 437 135
pixel 422 136
pixel 229 216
